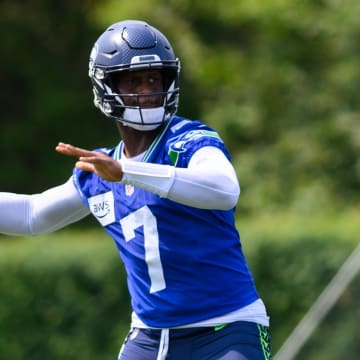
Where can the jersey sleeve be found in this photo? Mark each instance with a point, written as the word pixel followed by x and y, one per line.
pixel 191 138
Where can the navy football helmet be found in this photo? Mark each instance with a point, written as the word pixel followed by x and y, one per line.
pixel 133 45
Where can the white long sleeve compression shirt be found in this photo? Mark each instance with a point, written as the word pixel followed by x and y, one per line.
pixel 209 182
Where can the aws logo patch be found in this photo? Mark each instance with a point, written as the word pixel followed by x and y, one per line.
pixel 102 207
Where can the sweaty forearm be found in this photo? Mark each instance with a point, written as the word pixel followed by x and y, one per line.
pixel 40 213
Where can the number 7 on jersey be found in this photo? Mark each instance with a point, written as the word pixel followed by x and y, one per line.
pixel 144 217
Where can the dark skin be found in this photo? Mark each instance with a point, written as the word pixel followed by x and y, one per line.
pixel 135 141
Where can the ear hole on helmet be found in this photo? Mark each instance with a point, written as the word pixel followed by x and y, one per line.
pixel 169 77
pixel 114 79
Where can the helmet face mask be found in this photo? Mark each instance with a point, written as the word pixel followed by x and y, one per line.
pixel 126 47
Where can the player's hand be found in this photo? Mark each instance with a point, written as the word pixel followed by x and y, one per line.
pixel 97 162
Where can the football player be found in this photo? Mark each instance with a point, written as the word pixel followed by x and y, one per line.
pixel 166 194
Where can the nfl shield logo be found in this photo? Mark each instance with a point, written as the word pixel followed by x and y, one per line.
pixel 129 190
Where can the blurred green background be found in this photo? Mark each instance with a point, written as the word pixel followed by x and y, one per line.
pixel 279 81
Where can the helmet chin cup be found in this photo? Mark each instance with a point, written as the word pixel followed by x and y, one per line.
pixel 143 119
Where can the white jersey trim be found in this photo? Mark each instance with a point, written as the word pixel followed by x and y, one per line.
pixel 255 312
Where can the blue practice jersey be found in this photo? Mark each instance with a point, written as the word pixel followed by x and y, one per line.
pixel 183 264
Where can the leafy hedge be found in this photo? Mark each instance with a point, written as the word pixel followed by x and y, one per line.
pixel 61 299
pixel 293 259
pixel 279 80
pixel 63 296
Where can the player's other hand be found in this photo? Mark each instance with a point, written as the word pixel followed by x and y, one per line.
pixel 97 162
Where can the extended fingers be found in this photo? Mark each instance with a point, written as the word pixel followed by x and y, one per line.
pixel 95 158
pixel 93 161
pixel 68 149
pixel 81 165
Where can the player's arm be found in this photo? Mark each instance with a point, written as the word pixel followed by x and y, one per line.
pixel 209 181
pixel 41 213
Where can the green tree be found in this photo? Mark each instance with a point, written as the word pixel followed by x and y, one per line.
pixel 277 79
